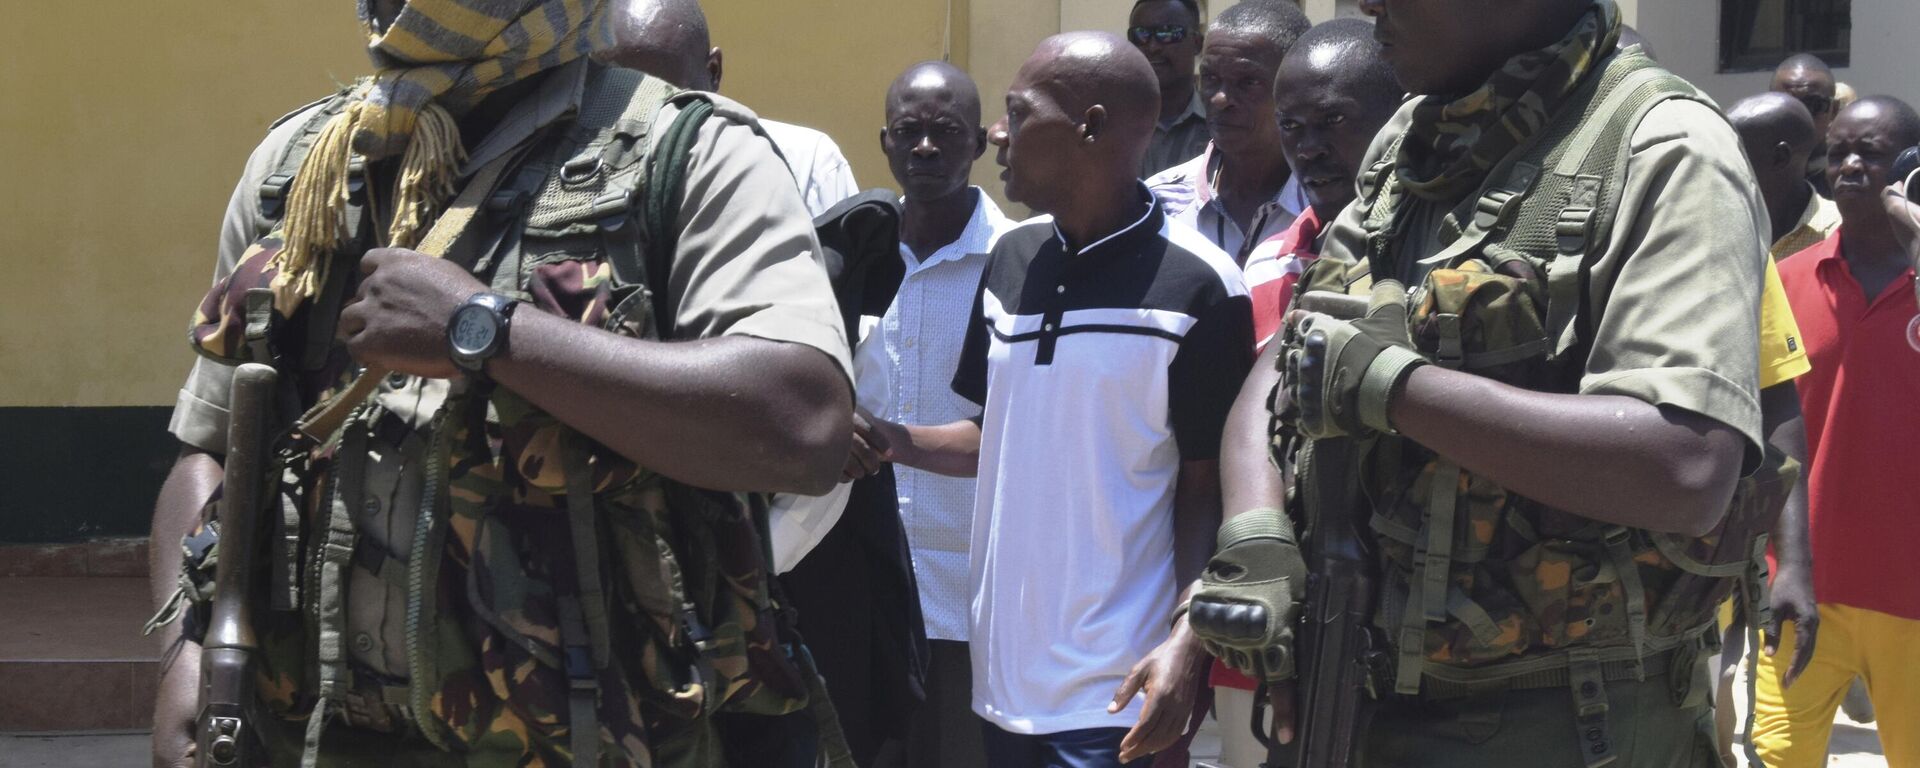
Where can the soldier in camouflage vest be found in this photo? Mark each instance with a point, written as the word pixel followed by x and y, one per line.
pixel 514 527
pixel 1546 418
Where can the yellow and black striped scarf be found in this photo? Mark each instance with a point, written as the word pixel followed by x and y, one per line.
pixel 437 60
pixel 1452 144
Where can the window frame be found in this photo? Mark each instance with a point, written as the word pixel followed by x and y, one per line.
pixel 1761 60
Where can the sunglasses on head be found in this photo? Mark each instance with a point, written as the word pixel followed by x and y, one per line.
pixel 1165 34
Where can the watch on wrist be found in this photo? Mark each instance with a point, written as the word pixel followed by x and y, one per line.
pixel 477 331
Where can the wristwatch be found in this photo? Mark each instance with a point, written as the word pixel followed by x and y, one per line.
pixel 477 331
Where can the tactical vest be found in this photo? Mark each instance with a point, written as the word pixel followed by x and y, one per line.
pixel 1485 589
pixel 527 571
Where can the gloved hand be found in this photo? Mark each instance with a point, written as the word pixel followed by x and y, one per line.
pixel 1343 373
pixel 1249 597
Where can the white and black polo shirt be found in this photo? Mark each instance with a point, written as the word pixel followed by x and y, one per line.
pixel 1100 370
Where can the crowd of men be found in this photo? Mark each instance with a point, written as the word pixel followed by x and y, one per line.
pixel 606 452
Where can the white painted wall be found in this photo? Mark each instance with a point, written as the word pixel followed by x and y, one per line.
pixel 1685 34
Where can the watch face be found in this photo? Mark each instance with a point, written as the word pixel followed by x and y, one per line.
pixel 473 330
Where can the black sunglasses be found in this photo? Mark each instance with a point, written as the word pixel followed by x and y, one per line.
pixel 1165 34
pixel 1818 105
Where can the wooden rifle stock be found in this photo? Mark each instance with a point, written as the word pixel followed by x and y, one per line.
pixel 225 731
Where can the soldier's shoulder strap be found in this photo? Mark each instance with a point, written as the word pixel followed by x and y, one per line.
pixel 1582 182
pixel 313 117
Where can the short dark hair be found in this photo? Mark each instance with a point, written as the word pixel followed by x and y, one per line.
pixel 1192 6
pixel 1905 119
pixel 1278 21
pixel 1362 65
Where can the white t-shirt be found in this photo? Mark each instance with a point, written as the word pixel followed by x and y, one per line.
pixel 824 176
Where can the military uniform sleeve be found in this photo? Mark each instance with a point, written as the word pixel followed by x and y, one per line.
pixel 200 411
pixel 1676 295
pixel 748 263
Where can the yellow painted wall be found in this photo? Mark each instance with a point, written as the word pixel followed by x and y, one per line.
pixel 124 128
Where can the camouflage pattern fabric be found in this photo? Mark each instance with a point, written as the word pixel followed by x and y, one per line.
pixel 1452 144
pixel 690 626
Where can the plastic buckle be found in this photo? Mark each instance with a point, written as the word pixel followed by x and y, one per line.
pixel 579 664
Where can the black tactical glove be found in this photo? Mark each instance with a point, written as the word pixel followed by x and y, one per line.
pixel 1250 595
pixel 1343 373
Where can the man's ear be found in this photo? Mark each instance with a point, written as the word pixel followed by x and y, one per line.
pixel 979 143
pixel 1782 154
pixel 1095 124
pixel 715 68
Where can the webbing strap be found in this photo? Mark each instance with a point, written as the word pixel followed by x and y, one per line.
pixel 1574 228
pixel 665 187
pixel 1620 549
pixel 583 617
pixel 834 750
pixel 423 569
pixel 349 489
pixel 259 324
pixel 1588 682
pixel 1427 587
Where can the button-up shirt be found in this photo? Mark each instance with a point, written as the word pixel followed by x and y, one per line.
pixel 904 372
pixel 1186 193
pixel 1817 222
pixel 1178 140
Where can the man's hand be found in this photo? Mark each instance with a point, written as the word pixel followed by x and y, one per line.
pixel 1250 595
pixel 398 320
pixel 1169 676
pixel 876 443
pixel 1792 600
pixel 1342 373
pixel 1905 216
pixel 176 706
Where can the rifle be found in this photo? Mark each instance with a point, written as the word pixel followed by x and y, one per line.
pixel 1339 651
pixel 225 736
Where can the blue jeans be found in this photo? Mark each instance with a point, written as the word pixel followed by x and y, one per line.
pixel 1089 748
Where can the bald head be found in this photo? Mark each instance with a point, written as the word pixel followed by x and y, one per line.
pixel 1778 134
pixel 1805 77
pixel 935 80
pixel 667 39
pixel 1630 37
pixel 1344 52
pixel 1079 115
pixel 1096 69
pixel 1902 123
pixel 1774 118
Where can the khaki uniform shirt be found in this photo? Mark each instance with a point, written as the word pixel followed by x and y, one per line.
pixel 747 263
pixel 1676 294
pixel 1178 140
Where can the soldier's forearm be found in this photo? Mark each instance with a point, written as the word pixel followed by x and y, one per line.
pixel 735 413
pixel 1609 458
pixel 1786 430
pixel 189 484
pixel 1248 477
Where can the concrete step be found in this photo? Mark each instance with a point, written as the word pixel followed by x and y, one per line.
pixel 71 654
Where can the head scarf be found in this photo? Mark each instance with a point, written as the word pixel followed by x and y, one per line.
pixel 1451 145
pixel 437 60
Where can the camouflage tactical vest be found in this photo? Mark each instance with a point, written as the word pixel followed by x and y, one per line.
pixel 455 565
pixel 1484 588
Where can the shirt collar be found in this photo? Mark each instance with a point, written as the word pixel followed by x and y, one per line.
pixel 1291 197
pixel 1196 110
pixel 1149 222
pixel 976 239
pixel 558 95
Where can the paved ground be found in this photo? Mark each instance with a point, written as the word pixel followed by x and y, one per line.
pixel 92 750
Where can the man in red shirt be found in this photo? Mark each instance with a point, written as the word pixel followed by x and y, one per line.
pixel 1853 295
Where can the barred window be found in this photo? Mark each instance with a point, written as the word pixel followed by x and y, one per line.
pixel 1757 34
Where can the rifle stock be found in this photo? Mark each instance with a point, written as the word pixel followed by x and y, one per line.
pixel 1339 652
pixel 225 731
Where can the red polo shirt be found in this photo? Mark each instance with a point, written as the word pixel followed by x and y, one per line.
pixel 1862 406
pixel 1273 267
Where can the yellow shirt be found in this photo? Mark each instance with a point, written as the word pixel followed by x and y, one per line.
pixel 1783 357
